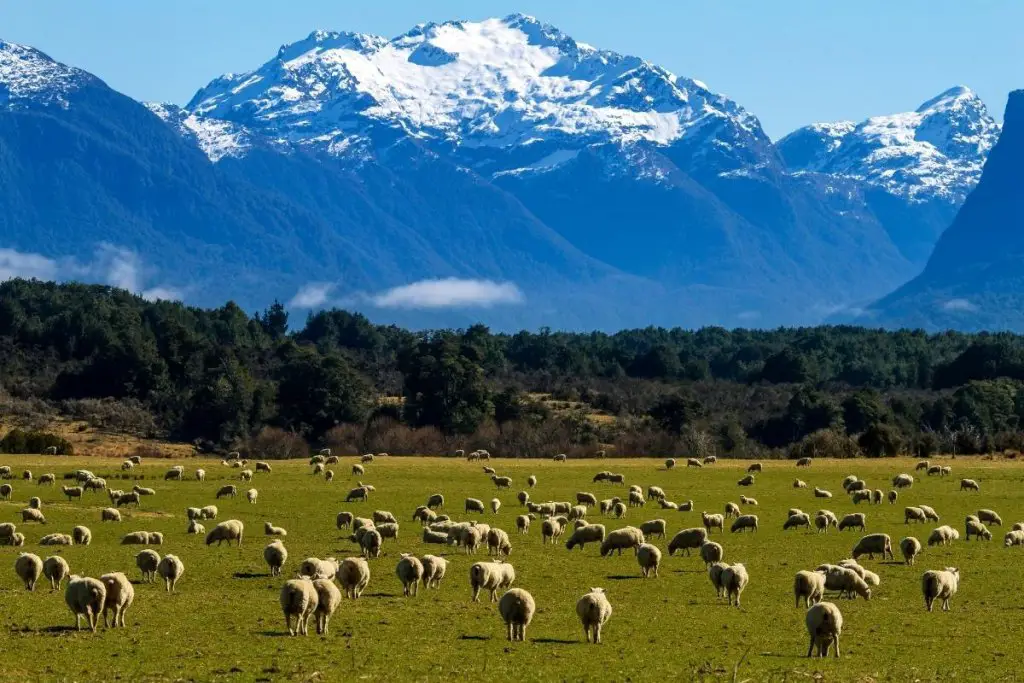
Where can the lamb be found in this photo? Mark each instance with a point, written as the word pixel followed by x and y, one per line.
pixel 492 576
pixel 803 462
pixel 855 520
pixel 594 611
pixel 810 586
pixel 693 462
pixel 523 523
pixel 120 596
pixel 893 495
pixel 649 558
pixel 56 569
pixel 799 520
pixel 821 493
pixel 81 535
pixel 270 530
pixel 517 608
pixel 72 492
pixel 911 548
pixel 732 510
pixel 56 539
pixel 251 495
pixel 712 521
pixel 943 535
pixel 799 484
pixel 627 537
pixel 434 569
pixel 28 567
pixel 435 501
pixel 85 596
pixel 969 485
pixel 914 513
pixel 148 561
pixel 942 584
pixel 825 625
pixel 474 505
pixel 746 481
pixel 688 539
pixel 902 481
pixel 654 527
pixel 734 580
pixel 746 500
pixel 208 512
pixel 670 463
pixel 410 573
pixel 744 522
pixel 498 542
pixel 977 529
pixel 590 533
pixel 228 530
pixel 990 517
pixel 874 543
pixel 501 482
pixel 228 490
pixel 371 543
pixel 299 599
pixel 275 555
pixel 170 569
pixel 354 576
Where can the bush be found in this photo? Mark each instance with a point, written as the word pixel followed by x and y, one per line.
pixel 825 443
pixel 20 441
pixel 127 415
pixel 276 444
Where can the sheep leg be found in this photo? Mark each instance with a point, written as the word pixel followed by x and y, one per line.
pixel 810 650
pixel 836 644
pixel 597 634
pixel 510 630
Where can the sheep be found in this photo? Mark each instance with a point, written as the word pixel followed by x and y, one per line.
pixel 969 485
pixel 933 470
pixel 848 481
pixel 32 515
pixel 501 482
pixel 489 470
pixel 200 474
pixel 344 519
pixel 810 586
pixel 523 497
pixel 822 523
pixel 135 538
pixel 902 481
pixel 977 529
pixel 126 499
pixel 299 599
pixel 135 459
pixel 498 542
pixel 120 596
pixel 550 529
pixel 275 555
pixel 855 520
pixel 715 575
pixel 1013 537
pixel 474 505
pixel 670 463
pixel 72 492
pixel 228 490
pixel 618 510
pixel 492 576
pixel 795 521
pixel 858 496
pixel 754 467
pixel 495 505
pixel 7 529
pixel 35 502
pixel 193 513
pixel 746 481
pixel 584 498
pixel 825 625
pixel 893 495
pixel 208 512
pixel 318 469
pixel 711 552
pixel 315 568
pixel 626 537
pixel 943 535
pixel 734 580
pixel 94 484
pixel 228 530
pixel 144 491
pixel 594 611
pixel 929 513
pixel 82 535
pixel 911 548
pixel 655 493
pixel 744 522
pixel 56 569
pixel 990 517
pixel 688 539
pixel 85 596
pixel 874 543
pixel 942 584
pixel 436 500
pixel 16 539
pixel 803 462
pixel 602 476
pixel 590 533
pixel 56 539
pixel 710 459
pixel 821 493
pixel 712 521
pixel 616 478
pixel 517 608
pixel 1018 526
pixel 799 484
pixel 654 527
pixel 746 500
pixel 649 558
pixel 354 576
pixel 127 466
pixel 28 567
pixel 732 510
pixel 845 580
pixel 561 457
pixel 48 479
pixel 945 470
pixel 410 573
pixel 914 513
pixel 175 475
pixel 523 523
pixel 270 530
pixel 251 495
pixel 371 543
pixel 148 561
pixel 434 569
pixel 693 462
pixel 667 505
pixel 435 537
pixel 856 485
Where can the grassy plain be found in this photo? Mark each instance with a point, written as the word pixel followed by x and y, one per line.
pixel 225 621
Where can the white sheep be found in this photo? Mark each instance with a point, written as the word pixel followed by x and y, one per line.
pixel 299 599
pixel 594 611
pixel 977 529
pixel 434 569
pixel 854 520
pixel 410 573
pixel 911 548
pixel 32 515
pixel 81 535
pixel 874 544
pixel 589 533
pixel 228 530
pixel 328 599
pixel 798 520
pixel 85 596
pixel 734 580
pixel 744 522
pixel 492 576
pixel 670 463
pixel 56 539
pixel 649 558
pixel 711 552
pixel 803 462
pixel 371 543
pixel 1013 537
pixel 712 521
pixel 942 584
pixel 474 505
pixel 715 575
pixel 990 517
pixel 943 535
pixel 747 500
pixel 228 490
pixel 251 495
pixel 170 570
pixel 821 493
pixel 799 484
pixel 969 485
pixel 892 496
pixel 208 512
pixel 688 539
pixel 824 625
pixel 845 580
pixel 275 555
pixel 809 586
pixel 28 567
pixel 56 569
pixel 531 481
pixel 929 513
pixel 498 542
pixel 354 576
pixel 654 527
pixel 902 481
pixel 200 474
pixel 120 596
pixel 495 505
pixel 148 561
pixel 914 513
pixel 619 539
pixel 517 608
pixel 270 530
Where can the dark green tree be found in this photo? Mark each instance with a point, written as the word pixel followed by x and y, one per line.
pixel 444 385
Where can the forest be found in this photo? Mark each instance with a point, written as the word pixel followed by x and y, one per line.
pixel 223 379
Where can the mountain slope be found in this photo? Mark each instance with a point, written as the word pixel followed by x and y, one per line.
pixel 974 279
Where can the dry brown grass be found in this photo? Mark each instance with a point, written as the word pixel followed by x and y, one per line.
pixel 92 442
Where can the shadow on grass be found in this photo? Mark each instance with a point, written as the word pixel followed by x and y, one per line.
pixel 61 629
pixel 468 637
pixel 274 634
pixel 555 641
pixel 379 595
pixel 623 577
pixel 250 575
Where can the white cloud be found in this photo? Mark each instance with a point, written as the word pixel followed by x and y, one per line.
pixel 958 305
pixel 162 294
pixel 312 295
pixel 14 264
pixel 449 293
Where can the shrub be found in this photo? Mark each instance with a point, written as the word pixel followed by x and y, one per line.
pixel 21 441
pixel 276 444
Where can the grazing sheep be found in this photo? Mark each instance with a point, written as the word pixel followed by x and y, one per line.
pixel 799 484
pixel 523 523
pixel 270 530
pixel 732 510
pixel 590 533
pixel 85 596
pixel 990 517
pixel 144 491
pixel 126 499
pixel 435 501
pixel 358 469
pixel 594 611
pixel 498 542
pixel 734 580
pixel 208 512
pixel 72 492
pixel 523 497
pixel 969 485
pixel 35 502
pixel 602 476
pixel 318 468
pixel 803 462
pixel 7 529
pixel 28 567
pixel 649 558
pixel 619 539
pixel 711 552
pixel 744 522
pixel 654 527
pixel 48 479
pixel 821 493
pixel 911 548
pixel 81 535
pixel 251 495
pixel 655 493
pixel 845 580
pixel 933 470
pixel 849 481
pixel 929 513
pixel 822 523
pixel 754 467
pixel 550 529
pixel 474 505
pixel 148 561
pixel 945 470
pixel 328 599
pixel 1013 537
pixel 795 521
pixel 936 584
pixel 175 475
pixel 95 484
pixel 229 490
pixel 688 539
pixel 299 599
pixel 436 537
pixel 410 573
pixel 228 530
pixel 120 596
pixel 856 485
pixel 275 555
pixel 501 482
pixel 902 481
pixel 56 569
pixel 977 529
pixel 492 576
pixel 825 625
pixel 914 513
pixel 712 521
pixel 618 510
pixel 746 481
pixel 200 474
pixel 371 543
pixel 810 586
pixel 354 576
pixel 858 496
pixel 693 462
pixel 710 459
pixel 315 568
pixel 616 478
pixel 670 463
pixel 495 505
pixel 746 500
pixel 874 544
pixel 893 495
pixel 943 535
pixel 434 569
pixel 855 520
pixel 561 457
pixel 584 498
pixel 517 608
pixel 56 539
pixel 344 519
pixel 127 465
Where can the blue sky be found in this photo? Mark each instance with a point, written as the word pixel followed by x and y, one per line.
pixel 790 62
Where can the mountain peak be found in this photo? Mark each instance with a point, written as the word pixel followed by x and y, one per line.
pixel 944 100
pixel 28 74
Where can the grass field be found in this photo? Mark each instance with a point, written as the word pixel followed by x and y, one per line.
pixel 225 622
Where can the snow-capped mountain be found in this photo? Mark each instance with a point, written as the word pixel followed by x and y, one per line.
pixel 26 74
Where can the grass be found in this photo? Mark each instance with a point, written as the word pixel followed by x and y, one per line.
pixel 225 621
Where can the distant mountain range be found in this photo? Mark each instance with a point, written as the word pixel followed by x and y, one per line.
pixel 495 170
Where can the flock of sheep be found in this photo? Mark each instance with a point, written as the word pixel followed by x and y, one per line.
pixel 320 584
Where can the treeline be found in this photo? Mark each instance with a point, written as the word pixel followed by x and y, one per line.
pixel 224 379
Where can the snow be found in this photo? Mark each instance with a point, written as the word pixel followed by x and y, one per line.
pixel 548 163
pixel 216 139
pixel 28 74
